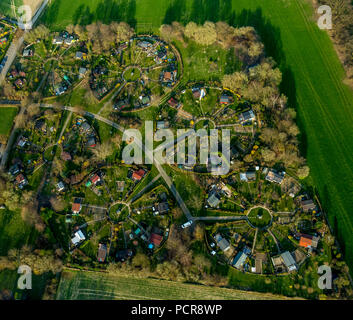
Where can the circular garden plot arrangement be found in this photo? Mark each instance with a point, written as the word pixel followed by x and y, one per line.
pixel 112 210
pixel 50 65
pixel 149 66
pixel 132 74
pixel 139 68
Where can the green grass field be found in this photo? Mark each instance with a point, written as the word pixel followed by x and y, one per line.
pixel 14 232
pixel 312 79
pixel 259 217
pixel 5 7
pixel 7 115
pixel 78 285
pixel 189 190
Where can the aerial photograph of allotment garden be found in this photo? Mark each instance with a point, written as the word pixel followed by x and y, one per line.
pixel 91 226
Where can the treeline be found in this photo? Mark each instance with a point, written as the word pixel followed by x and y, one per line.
pixel 40 261
pixel 278 137
pixel 342 32
pixel 259 85
pixel 100 37
pixel 176 261
pixel 245 41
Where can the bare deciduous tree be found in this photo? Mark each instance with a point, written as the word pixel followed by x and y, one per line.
pixel 102 151
pixel 303 172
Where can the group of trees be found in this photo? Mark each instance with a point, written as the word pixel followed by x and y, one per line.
pixel 340 268
pixel 181 262
pixel 29 213
pixel 244 40
pixel 103 151
pixel 281 144
pixel 8 90
pixel 342 13
pixel 102 36
pixel 23 120
pixel 176 261
pixel 280 140
pixel 9 195
pixel 40 261
pixel 57 203
pixel 259 85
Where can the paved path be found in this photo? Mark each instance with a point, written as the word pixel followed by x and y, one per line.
pixel 40 11
pixel 2 149
pixel 42 81
pixel 119 202
pixel 204 118
pixel 174 142
pixel 227 125
pixel 142 208
pixel 100 118
pixel 91 221
pixel 11 55
pixel 136 223
pixel 9 103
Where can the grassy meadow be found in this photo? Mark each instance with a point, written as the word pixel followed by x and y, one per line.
pixel 77 285
pixel 7 116
pixel 8 282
